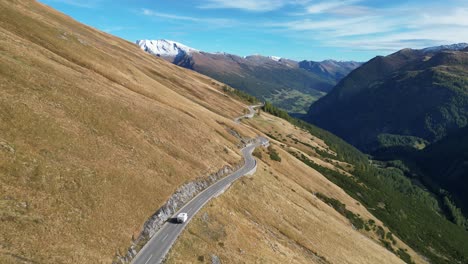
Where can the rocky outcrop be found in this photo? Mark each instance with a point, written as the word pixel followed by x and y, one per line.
pixel 243 141
pixel 6 147
pixel 183 194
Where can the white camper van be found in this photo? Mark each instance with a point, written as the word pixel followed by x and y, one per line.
pixel 182 217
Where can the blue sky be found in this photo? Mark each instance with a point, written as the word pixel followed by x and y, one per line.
pixel 295 29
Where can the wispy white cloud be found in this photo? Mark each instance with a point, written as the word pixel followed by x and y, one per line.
pixel 352 10
pixel 218 22
pixel 152 13
pixel 381 29
pixel 250 5
pixel 415 39
pixel 337 27
pixel 456 17
pixel 260 5
pixel 325 6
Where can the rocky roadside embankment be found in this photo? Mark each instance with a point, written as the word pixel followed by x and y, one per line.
pixel 183 194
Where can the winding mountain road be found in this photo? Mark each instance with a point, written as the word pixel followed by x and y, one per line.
pixel 159 245
pixel 249 115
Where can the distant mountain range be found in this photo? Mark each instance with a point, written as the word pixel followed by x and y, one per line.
pixel 411 106
pixel 411 97
pixel 289 84
pixel 452 47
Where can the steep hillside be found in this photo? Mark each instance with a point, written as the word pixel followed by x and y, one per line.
pixel 411 97
pixel 95 135
pixel 410 212
pixel 282 213
pixel 445 165
pixel 441 167
pixel 279 215
pixel 287 83
pixel 290 88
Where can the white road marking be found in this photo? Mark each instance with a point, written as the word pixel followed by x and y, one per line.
pixel 197 203
pixel 148 259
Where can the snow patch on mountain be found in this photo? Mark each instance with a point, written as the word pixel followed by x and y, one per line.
pixel 275 58
pixel 163 47
pixel 454 47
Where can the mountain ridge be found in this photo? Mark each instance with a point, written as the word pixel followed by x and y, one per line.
pixel 287 83
pixel 90 136
pixel 408 93
pixel 164 47
pixel 97 134
pixel 452 47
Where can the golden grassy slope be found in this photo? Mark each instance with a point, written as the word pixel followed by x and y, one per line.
pixel 95 135
pixel 274 216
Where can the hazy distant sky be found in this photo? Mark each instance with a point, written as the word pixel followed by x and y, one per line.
pixel 295 29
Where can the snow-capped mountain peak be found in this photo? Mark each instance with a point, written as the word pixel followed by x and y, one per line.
pixel 275 58
pixel 163 47
pixel 454 47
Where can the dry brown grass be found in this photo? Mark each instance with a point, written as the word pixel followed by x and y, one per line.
pixel 274 217
pixel 271 218
pixel 286 133
pixel 296 140
pixel 102 134
pixel 95 134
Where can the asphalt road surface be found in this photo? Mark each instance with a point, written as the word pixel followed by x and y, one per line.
pixel 249 115
pixel 159 245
